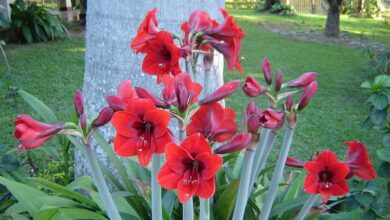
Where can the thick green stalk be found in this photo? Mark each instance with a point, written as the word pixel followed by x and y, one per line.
pixel 189 68
pixel 156 188
pixel 258 153
pixel 306 207
pixel 204 209
pixel 108 201
pixel 243 188
pixel 263 159
pixel 206 82
pixel 273 186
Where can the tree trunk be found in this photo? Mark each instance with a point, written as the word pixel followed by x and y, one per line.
pixel 360 7
pixel 108 59
pixel 332 27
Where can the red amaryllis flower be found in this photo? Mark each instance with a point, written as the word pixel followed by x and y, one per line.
pixel 199 21
pixel 307 94
pixel 213 122
pixel 252 87
pixel 222 92
pixel 358 161
pixel 267 71
pixel 32 133
pixel 180 91
pixel 303 81
pixel 146 31
pixel 162 56
pixel 190 168
pixel 269 118
pixel 226 38
pixel 142 130
pixel 239 142
pixel 326 176
pixel 125 93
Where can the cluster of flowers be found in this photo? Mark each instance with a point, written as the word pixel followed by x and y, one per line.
pixel 207 128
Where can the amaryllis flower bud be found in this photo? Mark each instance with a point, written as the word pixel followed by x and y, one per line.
pixel 78 103
pixel 358 161
pixel 267 71
pixel 289 102
pixel 308 93
pixel 270 118
pixel 32 133
pixel 125 93
pixel 222 92
pixel 252 87
pixel 292 162
pixel 104 117
pixel 145 94
pixel 304 80
pixel 252 115
pixel 239 142
pixel 83 121
pixel 278 80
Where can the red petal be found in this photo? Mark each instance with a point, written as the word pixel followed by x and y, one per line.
pixel 123 123
pixel 196 144
pixel 167 178
pixel 211 164
pixel 139 107
pixel 160 120
pixel 311 184
pixel 160 142
pixel 145 155
pixel 177 158
pixel 358 160
pixel 206 188
pixel 185 190
pixel 125 146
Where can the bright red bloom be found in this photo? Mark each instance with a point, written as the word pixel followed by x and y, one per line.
pixel 146 31
pixel 226 38
pixel 142 130
pixel 252 87
pixel 199 21
pixel 222 92
pixel 180 91
pixel 307 94
pixel 358 161
pixel 125 93
pixel 32 133
pixel 190 168
pixel 239 142
pixel 326 176
pixel 267 71
pixel 303 81
pixel 213 122
pixel 162 56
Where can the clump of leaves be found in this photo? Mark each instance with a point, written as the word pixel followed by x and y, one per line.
pixel 31 23
pixel 282 9
pixel 379 62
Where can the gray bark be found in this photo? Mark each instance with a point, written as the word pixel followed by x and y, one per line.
pixel 108 60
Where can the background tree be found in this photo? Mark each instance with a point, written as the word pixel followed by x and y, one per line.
pixel 108 60
pixel 332 27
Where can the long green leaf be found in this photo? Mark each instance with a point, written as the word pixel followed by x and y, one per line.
pixel 62 191
pixel 45 112
pixel 33 199
pixel 68 214
pixel 224 206
pixel 285 206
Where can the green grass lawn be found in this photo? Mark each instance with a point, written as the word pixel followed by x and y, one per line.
pixel 370 28
pixel 53 71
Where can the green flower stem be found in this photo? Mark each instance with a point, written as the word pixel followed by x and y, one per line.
pixel 263 159
pixel 306 207
pixel 258 153
pixel 206 82
pixel 156 188
pixel 273 186
pixel 108 201
pixel 242 195
pixel 204 209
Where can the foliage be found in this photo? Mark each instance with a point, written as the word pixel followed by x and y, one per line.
pixel 379 101
pixel 282 9
pixel 379 62
pixel 32 23
pixel 370 8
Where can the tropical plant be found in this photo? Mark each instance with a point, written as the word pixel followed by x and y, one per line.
pixel 31 23
pixel 217 170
